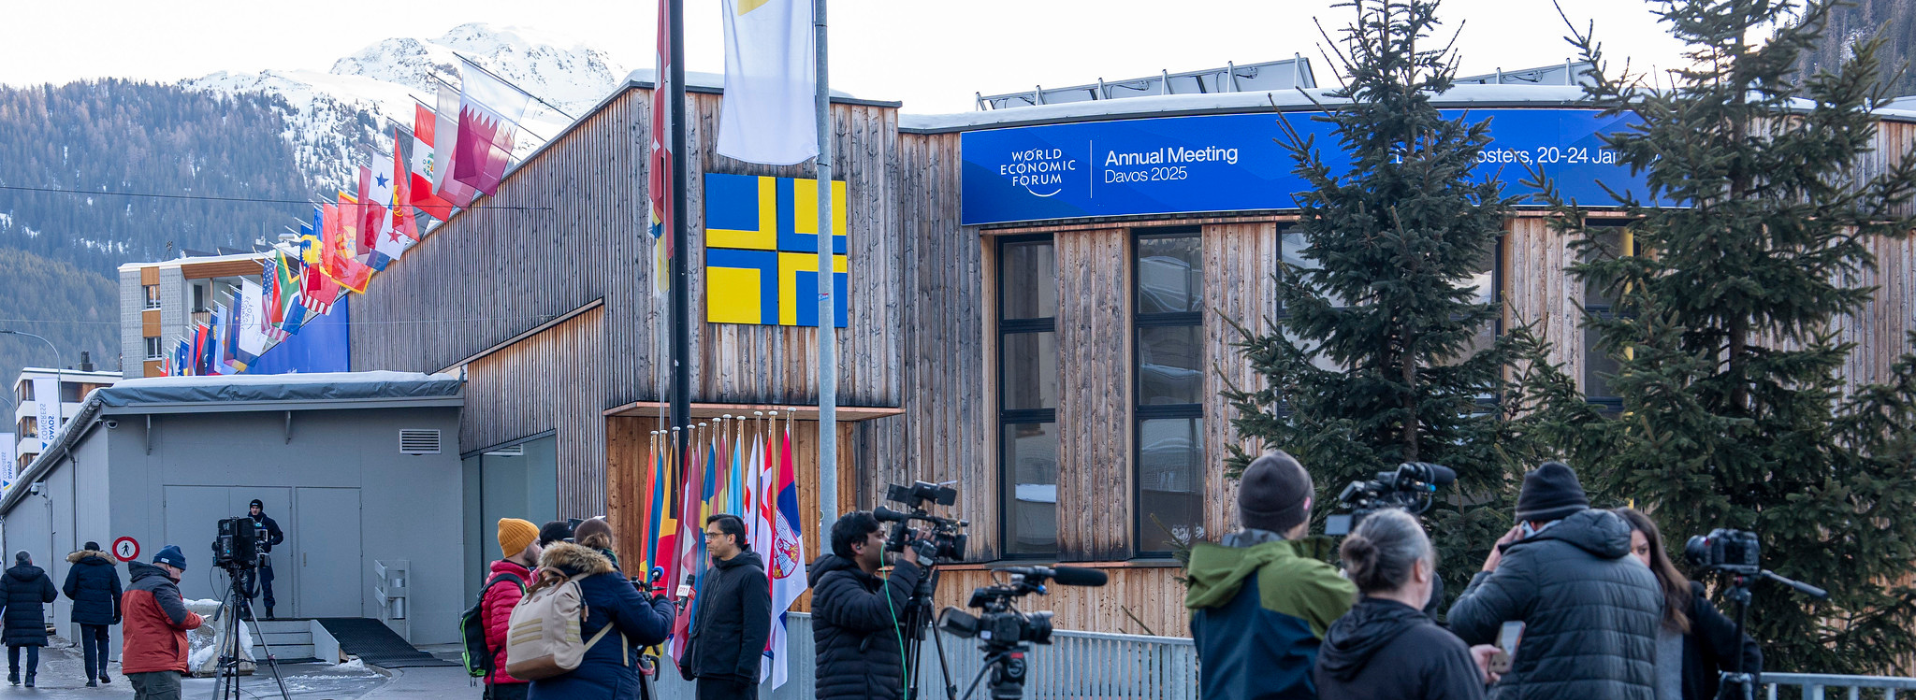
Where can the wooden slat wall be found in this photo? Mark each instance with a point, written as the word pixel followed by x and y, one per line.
pixel 1152 594
pixel 1095 418
pixel 1881 327
pixel 1240 264
pixel 552 378
pixel 1538 290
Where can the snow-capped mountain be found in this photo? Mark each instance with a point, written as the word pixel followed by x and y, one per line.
pixel 365 95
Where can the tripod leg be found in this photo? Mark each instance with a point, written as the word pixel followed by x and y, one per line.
pixel 946 675
pixel 272 663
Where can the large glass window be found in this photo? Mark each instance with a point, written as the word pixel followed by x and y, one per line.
pixel 515 480
pixel 1029 395
pixel 1600 364
pixel 1170 358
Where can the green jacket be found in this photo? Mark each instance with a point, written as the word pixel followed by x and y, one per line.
pixel 1259 638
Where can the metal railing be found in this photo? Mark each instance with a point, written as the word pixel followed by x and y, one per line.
pixel 1095 665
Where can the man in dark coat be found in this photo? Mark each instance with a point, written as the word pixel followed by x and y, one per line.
pixel 731 619
pixel 273 537
pixel 1591 613
pixel 856 633
pixel 24 588
pixel 93 584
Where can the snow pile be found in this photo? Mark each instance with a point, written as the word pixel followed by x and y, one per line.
pixel 204 644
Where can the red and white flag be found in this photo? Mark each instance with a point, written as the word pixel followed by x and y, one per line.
pixel 420 174
pixel 490 110
pixel 446 129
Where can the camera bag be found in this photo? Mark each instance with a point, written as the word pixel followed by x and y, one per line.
pixel 543 634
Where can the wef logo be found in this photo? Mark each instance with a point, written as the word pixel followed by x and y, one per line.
pixel 1042 171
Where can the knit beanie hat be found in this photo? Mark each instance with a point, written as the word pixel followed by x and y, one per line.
pixel 515 534
pixel 1276 494
pixel 92 546
pixel 257 504
pixel 591 527
pixel 172 555
pixel 1549 493
pixel 555 531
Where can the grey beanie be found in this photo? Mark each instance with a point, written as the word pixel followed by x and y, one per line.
pixel 1276 494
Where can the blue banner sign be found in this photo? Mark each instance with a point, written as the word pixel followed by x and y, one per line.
pixel 1230 163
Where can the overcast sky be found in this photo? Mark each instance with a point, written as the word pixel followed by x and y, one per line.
pixel 932 56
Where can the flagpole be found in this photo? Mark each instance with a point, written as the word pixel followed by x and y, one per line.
pixel 823 180
pixel 682 409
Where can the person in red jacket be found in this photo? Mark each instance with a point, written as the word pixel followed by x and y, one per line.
pixel 155 623
pixel 507 581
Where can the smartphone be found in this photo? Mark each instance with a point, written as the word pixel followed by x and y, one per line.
pixel 1509 644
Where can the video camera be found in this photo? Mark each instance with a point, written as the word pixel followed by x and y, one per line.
pixel 1410 487
pixel 238 543
pixel 1003 630
pixel 944 540
pixel 1736 553
pixel 1725 549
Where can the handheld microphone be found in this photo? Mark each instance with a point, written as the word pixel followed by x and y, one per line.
pixel 686 588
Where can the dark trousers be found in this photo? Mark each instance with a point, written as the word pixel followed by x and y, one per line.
pixel 155 685
pixel 507 691
pixel 33 659
pixel 258 581
pixel 93 642
pixel 723 689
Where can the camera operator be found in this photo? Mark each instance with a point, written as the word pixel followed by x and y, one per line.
pixel 1590 612
pixel 1261 599
pixel 856 614
pixel 1391 560
pixel 265 576
pixel 732 616
pixel 1695 641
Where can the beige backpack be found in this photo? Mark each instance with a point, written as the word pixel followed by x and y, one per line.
pixel 543 633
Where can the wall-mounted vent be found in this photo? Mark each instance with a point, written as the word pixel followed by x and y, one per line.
pixel 416 441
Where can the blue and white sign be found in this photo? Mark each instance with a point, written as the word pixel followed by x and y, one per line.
pixel 1230 162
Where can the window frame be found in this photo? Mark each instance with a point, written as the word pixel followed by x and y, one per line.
pixel 1608 401
pixel 1142 412
pixel 1004 417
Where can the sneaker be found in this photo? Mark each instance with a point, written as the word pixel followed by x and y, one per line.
pixel 91 683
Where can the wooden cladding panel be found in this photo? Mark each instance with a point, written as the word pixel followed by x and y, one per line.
pixel 1240 262
pixel 149 275
pixel 1136 600
pixel 149 324
pixel 1538 290
pixel 546 382
pixel 1095 418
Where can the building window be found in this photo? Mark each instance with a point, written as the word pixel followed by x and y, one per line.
pixel 29 427
pixel 199 298
pixel 1599 303
pixel 153 295
pixel 518 479
pixel 1029 394
pixel 153 349
pixel 1169 349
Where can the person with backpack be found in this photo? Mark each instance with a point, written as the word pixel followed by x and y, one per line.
pixel 486 623
pixel 93 584
pixel 575 631
pixel 24 588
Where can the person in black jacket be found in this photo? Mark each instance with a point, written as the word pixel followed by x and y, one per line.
pixel 265 576
pixel 1590 612
pixel 1385 648
pixel 93 584
pixel 24 588
pixel 1696 642
pixel 856 614
pixel 732 616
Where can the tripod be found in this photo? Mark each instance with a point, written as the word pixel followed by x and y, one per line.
pixel 918 619
pixel 226 682
pixel 1742 596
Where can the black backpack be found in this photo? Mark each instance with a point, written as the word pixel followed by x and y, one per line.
pixel 477 656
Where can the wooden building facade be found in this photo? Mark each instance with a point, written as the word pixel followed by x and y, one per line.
pixel 1064 374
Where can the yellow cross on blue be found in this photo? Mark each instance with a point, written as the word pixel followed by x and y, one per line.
pixel 762 250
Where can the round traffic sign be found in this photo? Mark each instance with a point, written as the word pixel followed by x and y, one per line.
pixel 126 549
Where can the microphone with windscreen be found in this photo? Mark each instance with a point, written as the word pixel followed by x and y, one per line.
pixel 1063 575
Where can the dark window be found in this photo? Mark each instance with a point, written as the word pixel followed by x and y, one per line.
pixel 1029 394
pixel 199 298
pixel 153 295
pixel 153 349
pixel 1600 364
pixel 1170 353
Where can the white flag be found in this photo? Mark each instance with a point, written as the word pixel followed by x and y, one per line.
pixel 767 110
pixel 253 332
pixel 7 448
pixel 46 397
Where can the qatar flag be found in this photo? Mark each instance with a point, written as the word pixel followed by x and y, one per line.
pixel 490 109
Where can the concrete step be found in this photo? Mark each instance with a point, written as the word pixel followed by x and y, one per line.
pixel 284 638
pixel 290 651
pixel 285 626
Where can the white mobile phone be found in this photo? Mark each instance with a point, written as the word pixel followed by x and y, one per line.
pixel 1510 637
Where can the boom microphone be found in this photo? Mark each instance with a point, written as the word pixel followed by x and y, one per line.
pixel 1063 575
pixel 885 514
pixel 1431 473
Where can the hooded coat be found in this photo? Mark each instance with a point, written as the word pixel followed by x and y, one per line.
pixel 1592 615
pixel 496 606
pixel 856 635
pixel 1259 613
pixel 93 584
pixel 607 671
pixel 25 588
pixel 733 618
pixel 1384 650
pixel 155 636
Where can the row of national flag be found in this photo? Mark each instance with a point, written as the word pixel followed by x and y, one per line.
pixel 349 240
pixel 737 467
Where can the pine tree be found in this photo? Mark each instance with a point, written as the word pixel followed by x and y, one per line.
pixel 1745 250
pixel 1373 362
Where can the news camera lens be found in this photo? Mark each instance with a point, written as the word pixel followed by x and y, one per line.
pixel 1699 551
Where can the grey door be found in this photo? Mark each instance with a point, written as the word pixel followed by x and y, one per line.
pixel 277 503
pixel 192 515
pixel 330 573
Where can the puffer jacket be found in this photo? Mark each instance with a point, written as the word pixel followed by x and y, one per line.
pixel 496 607
pixel 1592 614
pixel 155 636
pixel 25 588
pixel 855 634
pixel 1261 604
pixel 93 584
pixel 607 671
pixel 732 622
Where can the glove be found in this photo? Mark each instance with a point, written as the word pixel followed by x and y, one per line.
pixel 657 599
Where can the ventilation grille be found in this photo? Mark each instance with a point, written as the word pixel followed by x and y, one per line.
pixel 415 441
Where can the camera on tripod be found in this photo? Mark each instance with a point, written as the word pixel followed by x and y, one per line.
pixel 1725 549
pixel 944 538
pixel 1410 487
pixel 1003 630
pixel 238 544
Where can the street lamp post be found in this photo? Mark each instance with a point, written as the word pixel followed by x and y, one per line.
pixel 60 381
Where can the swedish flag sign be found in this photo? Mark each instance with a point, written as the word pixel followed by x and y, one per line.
pixel 763 262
